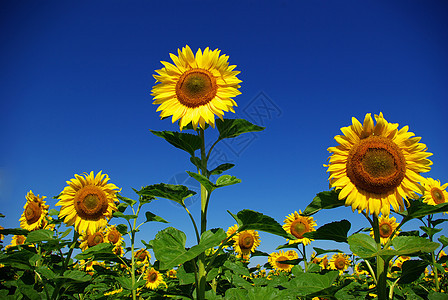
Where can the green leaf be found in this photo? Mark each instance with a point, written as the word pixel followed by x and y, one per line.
pixel 221 168
pixel 150 217
pixel 185 141
pixel 76 275
pixel 323 200
pixel 95 251
pixel 418 209
pixel 362 245
pixel 438 221
pixel 39 236
pixel 334 231
pixel 196 161
pixel 430 231
pixel 122 228
pixel 230 128
pixel 237 268
pixel 309 283
pixel 320 251
pixel 177 193
pixel 204 181
pixel 53 212
pixel 118 214
pixel 226 180
pixel 437 296
pixel 411 270
pixel 408 245
pixel 444 240
pixel 15 231
pixel 252 220
pixel 126 200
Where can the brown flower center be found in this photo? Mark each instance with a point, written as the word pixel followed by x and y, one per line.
pixel 114 236
pixel 196 87
pixel 339 264
pixel 95 239
pixel 141 255
pixel 33 212
pixel 246 241
pixel 385 230
pixel 281 265
pixel 376 165
pixel 20 240
pixel 298 228
pixel 325 262
pixel 91 203
pixel 152 277
pixel 437 195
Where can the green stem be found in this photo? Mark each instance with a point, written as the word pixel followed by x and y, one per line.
pixel 132 235
pixel 433 256
pixel 55 294
pixel 381 272
pixel 304 258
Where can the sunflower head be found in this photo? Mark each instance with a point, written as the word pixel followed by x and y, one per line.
pixel 34 212
pixel 196 88
pixel 434 192
pixel 275 260
pixel 87 202
pixel 142 256
pixel 298 225
pixel 90 240
pixel 339 262
pixel 113 235
pixel 153 278
pixel 376 165
pixel 386 228
pixel 246 242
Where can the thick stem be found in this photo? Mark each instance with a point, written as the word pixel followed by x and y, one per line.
pixel 304 258
pixel 433 257
pixel 381 271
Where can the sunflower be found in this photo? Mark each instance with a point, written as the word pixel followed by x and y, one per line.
pixel 433 192
pixel 297 225
pixel 400 260
pixel 18 240
pixel 276 258
pixel 90 240
pixel 171 273
pixel 142 256
pixel 339 261
pixel 196 88
pixel 34 212
pixel 375 166
pixel 324 263
pixel 359 270
pixel 88 202
pixel 2 237
pixel 246 242
pixel 114 236
pixel 386 227
pixel 153 279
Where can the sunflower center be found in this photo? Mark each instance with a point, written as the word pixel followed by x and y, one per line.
pixel 152 277
pixel 32 212
pixel 339 264
pixel 298 228
pixel 196 87
pixel 113 236
pixel 376 165
pixel 20 239
pixel 246 241
pixel 91 202
pixel 95 239
pixel 385 230
pixel 437 195
pixel 141 255
pixel 281 265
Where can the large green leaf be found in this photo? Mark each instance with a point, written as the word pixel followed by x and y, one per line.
pixel 334 231
pixel 185 141
pixel 169 246
pixel 418 209
pixel 362 245
pixel 411 270
pixel 308 283
pixel 251 220
pixel 230 128
pixel 177 193
pixel 224 180
pixel 15 231
pixel 323 200
pixel 409 245
pixel 39 236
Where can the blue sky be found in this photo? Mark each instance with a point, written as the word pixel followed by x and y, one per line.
pixel 76 80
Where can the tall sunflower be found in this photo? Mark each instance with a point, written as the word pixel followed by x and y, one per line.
pixel 433 192
pixel 34 212
pixel 339 261
pixel 386 228
pixel 196 88
pixel 275 260
pixel 246 242
pixel 376 166
pixel 298 225
pixel 88 202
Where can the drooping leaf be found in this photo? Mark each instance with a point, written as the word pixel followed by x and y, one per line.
pixel 15 231
pixel 177 193
pixel 185 141
pixel 126 200
pixel 362 245
pixel 204 181
pixel 334 231
pixel 252 220
pixel 230 128
pixel 430 231
pixel 122 228
pixel 411 270
pixel 320 251
pixel 323 200
pixel 221 168
pixel 39 236
pixel 150 217
pixel 418 209
pixel 438 221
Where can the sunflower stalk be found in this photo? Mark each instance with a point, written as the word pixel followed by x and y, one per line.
pixel 381 271
pixel 433 257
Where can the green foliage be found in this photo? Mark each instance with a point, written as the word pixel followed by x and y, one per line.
pixel 185 141
pixel 412 270
pixel 334 231
pixel 176 193
pixel 323 200
pixel 230 128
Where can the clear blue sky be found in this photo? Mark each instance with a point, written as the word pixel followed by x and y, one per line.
pixel 76 80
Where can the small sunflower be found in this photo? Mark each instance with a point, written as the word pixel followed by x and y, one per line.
pixel 153 279
pixel 376 166
pixel 2 237
pixel 400 260
pixel 34 212
pixel 142 256
pixel 339 261
pixel 90 240
pixel 196 88
pixel 114 236
pixel 359 270
pixel 246 242
pixel 324 263
pixel 433 192
pixel 297 225
pixel 18 240
pixel 386 227
pixel 171 273
pixel 276 258
pixel 88 202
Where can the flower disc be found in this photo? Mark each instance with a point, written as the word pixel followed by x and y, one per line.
pixel 196 87
pixel 246 242
pixel 298 225
pixel 386 228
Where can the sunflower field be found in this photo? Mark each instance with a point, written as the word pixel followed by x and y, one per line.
pixel 77 249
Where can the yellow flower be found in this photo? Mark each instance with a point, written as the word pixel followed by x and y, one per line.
pixel 433 192
pixel 339 261
pixel 359 270
pixel 324 263
pixel 297 225
pixel 171 273
pixel 88 202
pixel 34 212
pixel 386 227
pixel 276 258
pixel 2 237
pixel 246 242
pixel 18 240
pixel 196 88
pixel 376 166
pixel 142 256
pixel 114 236
pixel 153 279
pixel 90 240
pixel 113 292
pixel 400 260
